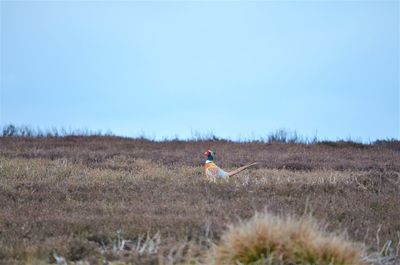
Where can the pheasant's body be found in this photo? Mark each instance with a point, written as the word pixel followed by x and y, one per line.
pixel 213 172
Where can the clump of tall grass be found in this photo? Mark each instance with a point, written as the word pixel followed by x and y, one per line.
pixel 269 239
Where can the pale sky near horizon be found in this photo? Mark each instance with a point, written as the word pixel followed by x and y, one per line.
pixel 236 68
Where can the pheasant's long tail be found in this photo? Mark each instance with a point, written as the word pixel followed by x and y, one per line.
pixel 240 169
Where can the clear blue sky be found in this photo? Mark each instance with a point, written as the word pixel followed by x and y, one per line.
pixel 172 67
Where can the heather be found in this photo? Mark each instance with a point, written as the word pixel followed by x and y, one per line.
pixel 104 198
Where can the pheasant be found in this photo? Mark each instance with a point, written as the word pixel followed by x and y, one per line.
pixel 213 172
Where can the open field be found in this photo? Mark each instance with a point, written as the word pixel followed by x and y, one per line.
pixel 77 196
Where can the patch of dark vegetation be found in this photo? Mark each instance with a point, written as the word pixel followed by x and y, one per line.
pixel 389 144
pixel 343 144
pixel 93 151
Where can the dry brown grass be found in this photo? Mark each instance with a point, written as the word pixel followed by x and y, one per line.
pixel 269 239
pixel 72 195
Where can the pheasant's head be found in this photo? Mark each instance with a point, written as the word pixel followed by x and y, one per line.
pixel 209 154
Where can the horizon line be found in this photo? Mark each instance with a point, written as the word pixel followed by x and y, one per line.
pixel 283 135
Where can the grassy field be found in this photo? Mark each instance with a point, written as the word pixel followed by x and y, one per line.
pixel 108 199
